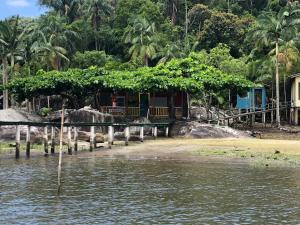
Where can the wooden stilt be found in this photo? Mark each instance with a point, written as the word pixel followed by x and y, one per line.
pixel 46 140
pixel 28 142
pixel 155 132
pixel 127 135
pixel 110 136
pixel 167 132
pixel 69 141
pixel 240 112
pixel 52 140
pixel 75 139
pixel 142 134
pixel 264 118
pixel 92 138
pixel 18 137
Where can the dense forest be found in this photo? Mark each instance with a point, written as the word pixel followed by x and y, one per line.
pixel 250 39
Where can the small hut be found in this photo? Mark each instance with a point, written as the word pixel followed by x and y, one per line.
pixel 255 99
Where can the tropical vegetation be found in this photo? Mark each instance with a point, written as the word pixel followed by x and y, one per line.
pixel 208 48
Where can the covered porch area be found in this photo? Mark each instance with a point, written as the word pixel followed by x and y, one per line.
pixel 149 105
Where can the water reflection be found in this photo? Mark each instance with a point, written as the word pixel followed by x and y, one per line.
pixel 146 192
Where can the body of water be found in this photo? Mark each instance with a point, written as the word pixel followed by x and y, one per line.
pixel 105 191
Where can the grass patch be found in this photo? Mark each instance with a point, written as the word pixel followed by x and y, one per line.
pixel 255 158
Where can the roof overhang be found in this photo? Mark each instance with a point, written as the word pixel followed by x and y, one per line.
pixel 295 75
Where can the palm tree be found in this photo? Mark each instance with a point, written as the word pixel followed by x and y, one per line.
pixel 269 31
pixel 141 37
pixel 169 52
pixel 49 52
pixel 10 40
pixel 68 8
pixel 97 9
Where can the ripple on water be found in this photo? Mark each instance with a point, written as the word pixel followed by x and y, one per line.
pixel 147 192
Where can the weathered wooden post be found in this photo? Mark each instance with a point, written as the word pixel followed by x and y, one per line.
pixel 142 134
pixel 46 140
pixel 52 140
pixel 127 135
pixel 167 131
pixel 155 132
pixel 18 137
pixel 110 136
pixel 75 139
pixel 28 142
pixel 264 118
pixel 92 138
pixel 69 141
pixel 240 117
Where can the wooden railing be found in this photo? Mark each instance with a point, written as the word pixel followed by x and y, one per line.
pixel 159 111
pixel 121 111
pixel 135 111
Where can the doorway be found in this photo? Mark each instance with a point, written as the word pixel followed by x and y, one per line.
pixel 144 104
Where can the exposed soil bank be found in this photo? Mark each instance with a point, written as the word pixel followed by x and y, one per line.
pixel 257 152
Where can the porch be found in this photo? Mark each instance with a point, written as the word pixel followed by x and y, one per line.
pixel 134 112
pixel 150 105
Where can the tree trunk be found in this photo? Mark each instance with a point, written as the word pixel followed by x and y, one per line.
pixel 277 87
pixel 146 60
pixel 5 81
pixel 174 10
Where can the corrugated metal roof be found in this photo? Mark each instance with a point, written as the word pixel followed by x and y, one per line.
pixel 295 75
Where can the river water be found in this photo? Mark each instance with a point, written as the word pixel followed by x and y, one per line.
pixel 106 191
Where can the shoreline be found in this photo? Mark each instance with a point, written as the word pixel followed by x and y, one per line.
pixel 255 152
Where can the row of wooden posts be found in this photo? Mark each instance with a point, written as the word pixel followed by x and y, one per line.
pixel 93 143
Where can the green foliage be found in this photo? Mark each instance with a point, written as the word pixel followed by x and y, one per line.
pixel 90 58
pixel 224 28
pixel 187 74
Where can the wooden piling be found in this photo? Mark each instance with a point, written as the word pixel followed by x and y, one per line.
pixel 167 132
pixel 155 132
pixel 110 136
pixel 127 135
pixel 142 134
pixel 18 137
pixel 264 118
pixel 240 117
pixel 52 140
pixel 28 142
pixel 60 150
pixel 92 138
pixel 75 139
pixel 69 141
pixel 46 140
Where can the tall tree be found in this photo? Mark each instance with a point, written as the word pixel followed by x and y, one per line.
pixel 141 38
pixel 10 40
pixel 49 52
pixel 270 30
pixel 97 10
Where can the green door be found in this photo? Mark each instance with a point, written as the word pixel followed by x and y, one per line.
pixel 144 105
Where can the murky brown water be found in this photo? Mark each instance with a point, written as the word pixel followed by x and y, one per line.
pixel 104 191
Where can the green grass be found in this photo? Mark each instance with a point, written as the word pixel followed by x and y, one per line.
pixel 253 157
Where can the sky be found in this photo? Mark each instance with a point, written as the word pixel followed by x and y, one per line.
pixel 24 8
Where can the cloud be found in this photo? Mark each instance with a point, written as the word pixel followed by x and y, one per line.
pixel 17 3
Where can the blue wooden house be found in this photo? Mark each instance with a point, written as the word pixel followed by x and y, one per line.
pixel 256 98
